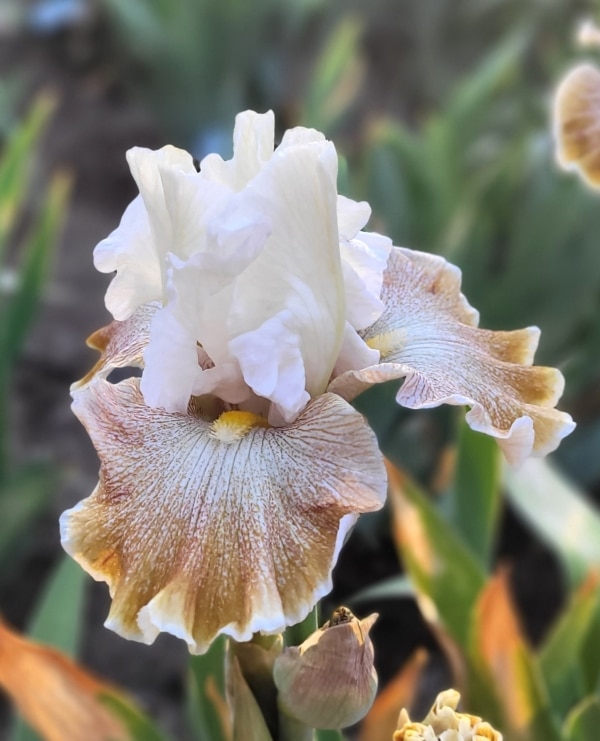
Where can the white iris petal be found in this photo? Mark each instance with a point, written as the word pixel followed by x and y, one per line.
pixel 130 251
pixel 253 143
pixel 296 278
pixel 259 266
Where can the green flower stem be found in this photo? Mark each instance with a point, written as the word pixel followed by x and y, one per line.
pixel 291 729
pixel 297 634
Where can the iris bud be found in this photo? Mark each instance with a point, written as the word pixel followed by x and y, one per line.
pixel 329 681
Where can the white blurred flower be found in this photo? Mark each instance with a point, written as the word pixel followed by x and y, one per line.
pixel 443 723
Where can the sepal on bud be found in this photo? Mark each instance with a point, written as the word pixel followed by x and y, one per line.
pixel 329 681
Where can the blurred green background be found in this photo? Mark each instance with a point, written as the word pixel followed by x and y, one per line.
pixel 441 112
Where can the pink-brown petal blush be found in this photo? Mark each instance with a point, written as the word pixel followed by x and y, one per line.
pixel 428 336
pixel 200 530
pixel 120 344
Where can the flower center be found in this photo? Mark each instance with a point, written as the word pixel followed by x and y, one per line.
pixel 233 425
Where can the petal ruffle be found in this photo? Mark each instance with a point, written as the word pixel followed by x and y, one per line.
pixel 253 144
pixel 577 122
pixel 428 336
pixel 131 252
pixel 202 529
pixel 364 258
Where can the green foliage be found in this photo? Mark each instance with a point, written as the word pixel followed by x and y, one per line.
pixel 182 49
pixel 474 499
pixel 559 513
pixel 297 634
pixel 206 691
pixel 475 181
pixel 336 77
pixel 23 492
pixel 583 723
pixel 440 565
pixel 564 657
pixel 138 725
pixel 392 588
pixel 57 617
pixel 56 621
pixel 24 495
pixel 529 694
pixel 329 736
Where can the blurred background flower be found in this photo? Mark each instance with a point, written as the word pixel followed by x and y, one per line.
pixel 442 109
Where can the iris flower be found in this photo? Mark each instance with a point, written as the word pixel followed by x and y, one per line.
pixel 258 307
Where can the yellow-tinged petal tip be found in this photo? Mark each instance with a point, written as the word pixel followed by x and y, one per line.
pixel 428 336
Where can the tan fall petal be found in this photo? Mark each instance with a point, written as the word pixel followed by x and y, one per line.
pixel 577 122
pixel 57 698
pixel 203 528
pixel 121 343
pixel 428 336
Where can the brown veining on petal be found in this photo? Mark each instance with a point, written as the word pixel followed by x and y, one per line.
pixel 121 344
pixel 197 536
pixel 444 358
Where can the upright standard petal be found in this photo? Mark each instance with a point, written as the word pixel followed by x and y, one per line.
pixel 136 249
pixel 253 144
pixel 428 336
pixel 130 251
pixel 228 526
pixel 173 371
pixel 577 122
pixel 364 259
pixel 290 301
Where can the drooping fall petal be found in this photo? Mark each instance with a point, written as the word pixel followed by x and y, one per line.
pixel 428 336
pixel 57 698
pixel 577 122
pixel 229 526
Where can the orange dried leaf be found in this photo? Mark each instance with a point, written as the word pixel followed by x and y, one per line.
pixel 506 656
pixel 381 721
pixel 57 698
pixel 408 527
